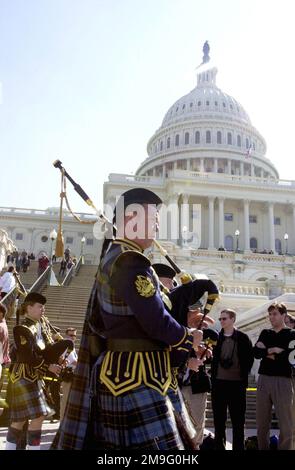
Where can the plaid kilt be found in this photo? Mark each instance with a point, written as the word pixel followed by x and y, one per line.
pixel 141 418
pixel 27 400
pixel 185 422
pixel 73 428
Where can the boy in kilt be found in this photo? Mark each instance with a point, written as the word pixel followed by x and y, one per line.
pixel 125 392
pixel 27 399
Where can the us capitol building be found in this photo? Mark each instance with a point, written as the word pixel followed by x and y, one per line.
pixel 209 161
pixel 207 154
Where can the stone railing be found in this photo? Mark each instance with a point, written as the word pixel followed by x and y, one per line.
pixel 243 288
pixel 119 178
pixel 27 213
pixel 200 253
pixel 233 179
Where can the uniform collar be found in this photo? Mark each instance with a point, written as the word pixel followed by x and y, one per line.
pixel 128 243
pixel 32 320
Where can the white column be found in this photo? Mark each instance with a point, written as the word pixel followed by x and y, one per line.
pixel 271 227
pixel 174 218
pixel 215 169
pixel 241 168
pixel 252 169
pixel 174 165
pixel 202 165
pixel 229 166
pixel 188 164
pixel 184 218
pixel 221 221
pixel 154 171
pixel 246 226
pixel 211 223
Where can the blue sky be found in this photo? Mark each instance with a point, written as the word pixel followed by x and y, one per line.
pixel 89 81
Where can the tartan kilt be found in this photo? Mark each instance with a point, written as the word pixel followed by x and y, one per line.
pixel 27 400
pixel 185 422
pixel 141 418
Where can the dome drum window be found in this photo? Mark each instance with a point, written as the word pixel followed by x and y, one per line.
pixel 177 140
pixel 197 137
pixel 186 138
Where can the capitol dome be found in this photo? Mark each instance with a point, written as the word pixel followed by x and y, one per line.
pixel 207 131
pixel 206 100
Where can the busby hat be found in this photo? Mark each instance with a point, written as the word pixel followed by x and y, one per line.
pixel 163 270
pixel 36 298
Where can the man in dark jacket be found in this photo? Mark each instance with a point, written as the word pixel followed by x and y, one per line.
pixel 232 362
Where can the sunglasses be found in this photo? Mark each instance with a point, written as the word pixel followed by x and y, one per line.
pixel 72 336
pixel 222 318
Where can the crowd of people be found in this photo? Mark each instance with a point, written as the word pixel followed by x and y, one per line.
pixel 141 379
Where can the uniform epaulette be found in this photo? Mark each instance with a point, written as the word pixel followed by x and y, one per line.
pixel 129 259
pixel 22 332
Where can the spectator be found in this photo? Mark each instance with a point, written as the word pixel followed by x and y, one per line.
pixel 9 259
pixel 67 253
pixel 18 264
pixel 290 321
pixel 67 373
pixel 43 263
pixel 231 364
pixel 275 383
pixel 4 342
pixel 7 282
pixel 25 264
pixel 63 266
pixel 70 264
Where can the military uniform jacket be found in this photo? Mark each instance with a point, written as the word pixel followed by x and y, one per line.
pixel 132 311
pixel 29 364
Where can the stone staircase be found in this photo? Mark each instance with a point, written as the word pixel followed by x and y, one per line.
pixel 28 278
pixel 66 305
pixel 250 409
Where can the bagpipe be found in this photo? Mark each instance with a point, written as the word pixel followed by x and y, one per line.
pixel 49 350
pixel 55 346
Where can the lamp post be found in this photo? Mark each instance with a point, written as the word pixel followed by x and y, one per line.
pixel 53 236
pixel 237 234
pixel 286 238
pixel 52 281
pixel 83 240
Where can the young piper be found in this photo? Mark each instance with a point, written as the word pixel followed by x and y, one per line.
pixel 27 400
